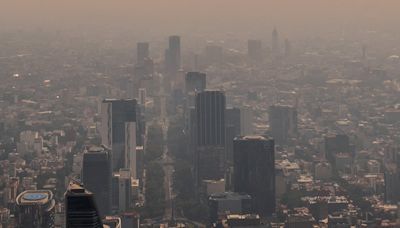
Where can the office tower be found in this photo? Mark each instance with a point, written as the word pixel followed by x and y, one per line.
pixel 195 82
pixel 233 118
pixel 192 130
pixel 254 171
pixel 254 50
pixel 336 144
pixel 283 123
pixel 210 111
pixel 210 132
pixel 246 121
pixel 233 125
pixel 288 48
pixel 96 176
pixel 140 124
pixel 36 209
pixel 80 208
pixel 173 55
pixel 115 115
pixel 122 190
pixel 130 148
pixel 275 42
pixel 225 203
pixel 142 52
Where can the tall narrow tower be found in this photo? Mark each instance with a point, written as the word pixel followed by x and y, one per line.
pixel 96 176
pixel 118 117
pixel 210 135
pixel 275 42
pixel 173 55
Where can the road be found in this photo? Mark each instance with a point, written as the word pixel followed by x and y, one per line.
pixel 170 217
pixel 167 160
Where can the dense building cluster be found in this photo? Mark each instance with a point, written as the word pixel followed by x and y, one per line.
pixel 231 134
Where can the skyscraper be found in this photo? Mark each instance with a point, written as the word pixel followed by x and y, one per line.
pixel 96 176
pixel 210 111
pixel 80 208
pixel 115 116
pixel 233 125
pixel 335 144
pixel 173 55
pixel 35 208
pixel 254 171
pixel 275 42
pixel 195 82
pixel 142 52
pixel 254 49
pixel 210 133
pixel 288 48
pixel 124 190
pixel 283 123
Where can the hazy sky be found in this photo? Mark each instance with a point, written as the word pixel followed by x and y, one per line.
pixel 187 15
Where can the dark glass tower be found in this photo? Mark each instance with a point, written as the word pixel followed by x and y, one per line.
pixel 210 112
pixel 195 82
pixel 254 171
pixel 96 176
pixel 173 55
pixel 210 135
pixel 233 125
pixel 80 208
pixel 115 114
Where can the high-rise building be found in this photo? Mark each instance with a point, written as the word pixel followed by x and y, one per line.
pixel 210 112
pixel 288 48
pixel 122 185
pixel 142 52
pixel 246 121
pixel 233 125
pixel 254 171
pixel 221 204
pixel 80 208
pixel 254 49
pixel 124 188
pixel 118 117
pixel 173 55
pixel 36 209
pixel 195 82
pixel 283 123
pixel 210 135
pixel 275 42
pixel 336 144
pixel 96 176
